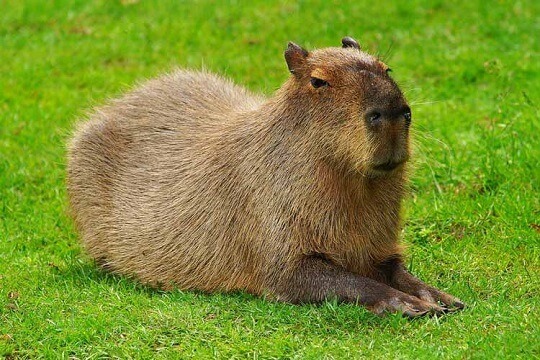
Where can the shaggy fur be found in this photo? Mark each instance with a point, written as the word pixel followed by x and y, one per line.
pixel 193 182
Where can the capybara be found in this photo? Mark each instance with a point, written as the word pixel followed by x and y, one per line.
pixel 192 182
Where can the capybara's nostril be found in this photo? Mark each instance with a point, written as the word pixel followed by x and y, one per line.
pixel 374 118
pixel 408 117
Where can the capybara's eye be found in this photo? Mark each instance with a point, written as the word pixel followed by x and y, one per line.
pixel 317 83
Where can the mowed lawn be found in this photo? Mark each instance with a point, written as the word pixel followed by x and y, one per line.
pixel 471 221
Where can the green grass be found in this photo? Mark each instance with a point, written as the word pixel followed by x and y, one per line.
pixel 471 72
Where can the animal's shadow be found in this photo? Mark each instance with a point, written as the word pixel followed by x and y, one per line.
pixel 86 274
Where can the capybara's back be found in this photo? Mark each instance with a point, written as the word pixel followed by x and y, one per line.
pixel 192 182
pixel 148 187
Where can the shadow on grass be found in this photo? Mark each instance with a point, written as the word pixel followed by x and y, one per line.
pixel 82 273
pixel 335 316
pixel 86 274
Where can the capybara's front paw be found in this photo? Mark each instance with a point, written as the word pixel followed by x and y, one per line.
pixel 409 284
pixel 408 305
pixel 433 295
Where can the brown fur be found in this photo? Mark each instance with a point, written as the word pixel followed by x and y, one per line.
pixel 192 182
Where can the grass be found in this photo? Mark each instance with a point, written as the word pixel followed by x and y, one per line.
pixel 471 72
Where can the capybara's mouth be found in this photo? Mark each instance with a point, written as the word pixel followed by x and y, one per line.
pixel 388 166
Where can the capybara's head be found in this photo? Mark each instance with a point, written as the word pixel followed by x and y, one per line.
pixel 349 99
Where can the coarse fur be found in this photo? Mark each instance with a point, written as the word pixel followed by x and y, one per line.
pixel 193 182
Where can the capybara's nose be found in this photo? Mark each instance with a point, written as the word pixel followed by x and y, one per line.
pixel 377 117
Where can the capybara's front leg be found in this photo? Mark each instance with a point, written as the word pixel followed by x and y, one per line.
pixel 315 279
pixel 396 275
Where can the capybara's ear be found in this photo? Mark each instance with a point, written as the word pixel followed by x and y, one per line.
pixel 349 42
pixel 295 56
